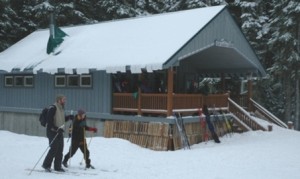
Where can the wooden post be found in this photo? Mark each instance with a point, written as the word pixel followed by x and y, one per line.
pixel 139 112
pixel 249 94
pixel 170 92
pixel 223 82
pixel 290 125
pixel 270 127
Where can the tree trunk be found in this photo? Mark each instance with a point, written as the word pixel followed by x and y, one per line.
pixel 297 117
pixel 288 101
pixel 297 105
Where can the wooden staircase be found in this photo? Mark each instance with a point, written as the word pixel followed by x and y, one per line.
pixel 245 121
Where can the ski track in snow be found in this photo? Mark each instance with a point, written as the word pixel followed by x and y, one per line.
pixel 255 154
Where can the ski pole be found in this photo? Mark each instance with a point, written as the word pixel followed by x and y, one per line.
pixel 70 132
pixel 70 149
pixel 87 147
pixel 84 145
pixel 45 151
pixel 71 126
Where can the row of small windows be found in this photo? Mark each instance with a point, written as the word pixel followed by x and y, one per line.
pixel 73 81
pixel 60 81
pixel 19 81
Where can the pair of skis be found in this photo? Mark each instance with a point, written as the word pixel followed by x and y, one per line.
pixel 227 124
pixel 221 128
pixel 224 126
pixel 80 172
pixel 181 129
pixel 206 121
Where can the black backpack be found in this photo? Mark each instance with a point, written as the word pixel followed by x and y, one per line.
pixel 43 115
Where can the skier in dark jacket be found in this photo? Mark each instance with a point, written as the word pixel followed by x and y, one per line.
pixel 78 139
pixel 55 132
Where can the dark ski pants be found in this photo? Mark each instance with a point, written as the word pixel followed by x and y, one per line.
pixel 74 147
pixel 56 150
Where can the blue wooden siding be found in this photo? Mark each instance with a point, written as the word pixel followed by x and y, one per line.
pixel 95 99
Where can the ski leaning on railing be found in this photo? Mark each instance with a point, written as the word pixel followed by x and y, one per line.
pixel 203 126
pixel 210 124
pixel 184 131
pixel 218 124
pixel 221 125
pixel 227 123
pixel 181 130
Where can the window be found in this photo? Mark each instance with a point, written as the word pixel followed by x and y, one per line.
pixel 73 81
pixel 85 81
pixel 60 81
pixel 9 81
pixel 28 81
pixel 19 81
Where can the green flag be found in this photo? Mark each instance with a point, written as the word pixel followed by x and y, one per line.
pixel 55 40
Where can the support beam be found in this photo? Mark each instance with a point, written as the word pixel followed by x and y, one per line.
pixel 139 112
pixel 170 92
pixel 250 92
pixel 223 82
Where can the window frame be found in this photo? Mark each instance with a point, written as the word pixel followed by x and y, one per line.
pixel 56 78
pixel 16 77
pixel 12 81
pixel 69 80
pixel 25 81
pixel 90 81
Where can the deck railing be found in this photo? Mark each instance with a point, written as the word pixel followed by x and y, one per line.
pixel 244 116
pixel 240 99
pixel 268 115
pixel 156 103
pixel 153 103
pixel 125 102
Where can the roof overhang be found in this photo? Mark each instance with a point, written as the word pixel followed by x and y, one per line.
pixel 136 43
pixel 216 59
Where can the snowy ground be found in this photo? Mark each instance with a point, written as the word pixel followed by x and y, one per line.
pixel 259 155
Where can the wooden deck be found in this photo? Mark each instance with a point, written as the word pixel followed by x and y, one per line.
pixel 157 104
pixel 164 135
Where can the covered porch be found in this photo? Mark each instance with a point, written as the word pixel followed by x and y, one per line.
pixel 220 60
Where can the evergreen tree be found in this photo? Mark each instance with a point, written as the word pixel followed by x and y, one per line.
pixel 84 12
pixel 111 9
pixel 8 25
pixel 25 15
pixel 285 47
pixel 40 11
pixel 254 21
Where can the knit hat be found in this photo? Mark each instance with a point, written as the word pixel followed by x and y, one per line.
pixel 59 97
pixel 80 112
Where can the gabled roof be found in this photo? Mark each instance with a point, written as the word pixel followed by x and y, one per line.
pixel 144 42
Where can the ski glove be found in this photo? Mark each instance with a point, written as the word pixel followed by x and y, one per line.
pixel 70 117
pixel 94 129
pixel 60 131
pixel 70 132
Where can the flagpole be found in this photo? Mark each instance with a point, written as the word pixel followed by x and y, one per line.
pixel 52 34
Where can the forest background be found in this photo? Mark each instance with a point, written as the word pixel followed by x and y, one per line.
pixel 271 26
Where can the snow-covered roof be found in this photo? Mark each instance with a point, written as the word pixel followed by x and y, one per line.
pixel 143 42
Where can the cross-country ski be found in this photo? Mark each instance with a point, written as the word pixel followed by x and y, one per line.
pixel 67 172
pixel 181 131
